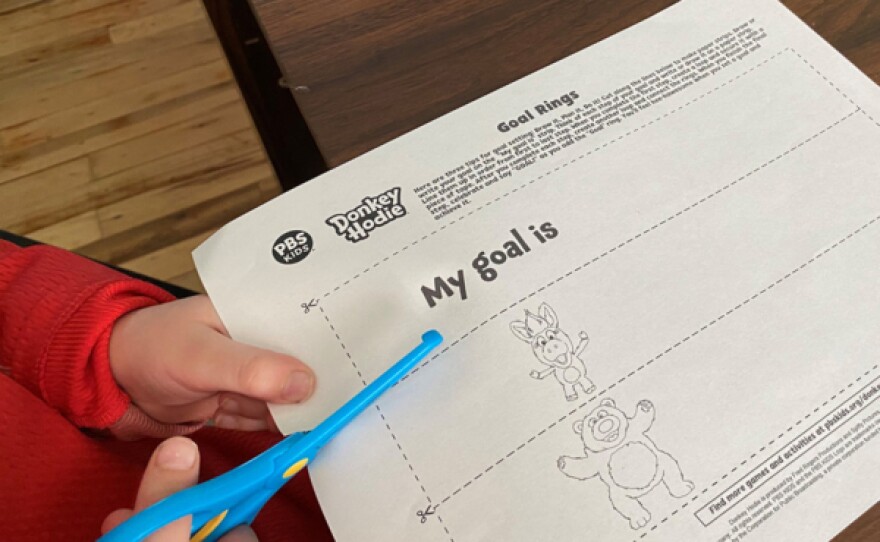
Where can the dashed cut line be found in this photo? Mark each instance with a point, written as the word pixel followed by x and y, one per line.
pixel 569 273
pixel 623 244
pixel 385 421
pixel 548 173
pixel 660 355
pixel 763 448
pixel 412 471
pixel 342 344
pixel 835 87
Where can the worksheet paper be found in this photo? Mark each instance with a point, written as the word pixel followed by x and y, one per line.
pixel 655 266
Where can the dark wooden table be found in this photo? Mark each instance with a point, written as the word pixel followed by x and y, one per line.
pixel 366 71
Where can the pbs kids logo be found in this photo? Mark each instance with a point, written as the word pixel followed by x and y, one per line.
pixel 292 247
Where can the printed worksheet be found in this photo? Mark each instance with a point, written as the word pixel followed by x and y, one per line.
pixel 656 267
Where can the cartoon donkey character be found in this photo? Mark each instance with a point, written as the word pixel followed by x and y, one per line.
pixel 554 348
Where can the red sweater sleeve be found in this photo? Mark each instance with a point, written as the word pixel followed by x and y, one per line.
pixel 56 314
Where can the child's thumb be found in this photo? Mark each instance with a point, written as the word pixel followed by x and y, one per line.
pixel 174 466
pixel 227 365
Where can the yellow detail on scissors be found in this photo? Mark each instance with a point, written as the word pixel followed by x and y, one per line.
pixel 295 468
pixel 209 527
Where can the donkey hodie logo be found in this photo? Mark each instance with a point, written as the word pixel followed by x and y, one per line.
pixel 373 212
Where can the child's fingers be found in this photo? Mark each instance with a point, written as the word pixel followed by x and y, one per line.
pixel 115 518
pixel 221 364
pixel 197 411
pixel 248 407
pixel 240 423
pixel 233 403
pixel 273 427
pixel 174 466
pixel 243 413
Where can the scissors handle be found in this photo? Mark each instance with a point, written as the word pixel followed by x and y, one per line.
pixel 234 498
pixel 222 503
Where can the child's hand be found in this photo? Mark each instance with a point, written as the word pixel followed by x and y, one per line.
pixel 174 466
pixel 179 365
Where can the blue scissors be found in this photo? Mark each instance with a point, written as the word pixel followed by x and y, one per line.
pixel 234 498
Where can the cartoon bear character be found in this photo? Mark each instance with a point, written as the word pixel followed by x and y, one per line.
pixel 554 348
pixel 625 459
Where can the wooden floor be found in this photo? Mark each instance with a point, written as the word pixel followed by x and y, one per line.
pixel 122 134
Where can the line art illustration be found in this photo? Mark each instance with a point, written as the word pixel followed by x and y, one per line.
pixel 554 349
pixel 621 455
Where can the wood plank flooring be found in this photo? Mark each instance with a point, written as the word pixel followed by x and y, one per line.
pixel 122 134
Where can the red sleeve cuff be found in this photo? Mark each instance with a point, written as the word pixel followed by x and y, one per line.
pixel 75 376
pixel 57 311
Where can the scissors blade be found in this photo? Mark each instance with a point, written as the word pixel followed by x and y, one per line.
pixel 330 427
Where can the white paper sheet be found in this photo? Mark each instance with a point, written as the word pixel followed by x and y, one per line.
pixel 668 323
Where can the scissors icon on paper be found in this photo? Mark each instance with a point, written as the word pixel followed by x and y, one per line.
pixel 423 514
pixel 309 306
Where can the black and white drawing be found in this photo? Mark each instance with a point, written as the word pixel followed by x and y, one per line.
pixel 555 349
pixel 625 459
